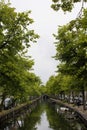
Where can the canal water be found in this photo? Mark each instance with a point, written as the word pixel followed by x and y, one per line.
pixel 46 117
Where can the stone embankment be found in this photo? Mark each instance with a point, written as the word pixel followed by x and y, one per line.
pixel 82 114
pixel 13 113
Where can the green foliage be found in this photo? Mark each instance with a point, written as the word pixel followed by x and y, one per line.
pixel 60 83
pixel 50 85
pixel 16 77
pixel 71 50
pixel 65 5
pixel 15 31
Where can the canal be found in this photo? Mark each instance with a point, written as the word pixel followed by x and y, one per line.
pixel 45 116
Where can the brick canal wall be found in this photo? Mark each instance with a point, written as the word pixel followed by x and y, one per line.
pixel 80 114
pixel 13 113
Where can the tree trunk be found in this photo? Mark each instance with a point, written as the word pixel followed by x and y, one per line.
pixel 83 95
pixel 3 98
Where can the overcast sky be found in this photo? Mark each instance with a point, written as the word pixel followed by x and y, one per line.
pixel 46 23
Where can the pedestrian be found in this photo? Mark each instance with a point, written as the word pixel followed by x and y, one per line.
pixel 78 102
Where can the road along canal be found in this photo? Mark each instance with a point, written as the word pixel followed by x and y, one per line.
pixel 46 116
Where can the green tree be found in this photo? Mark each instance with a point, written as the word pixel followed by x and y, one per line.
pixel 50 86
pixel 60 85
pixel 71 47
pixel 15 38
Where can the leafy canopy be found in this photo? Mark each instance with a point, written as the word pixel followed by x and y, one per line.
pixel 66 5
pixel 16 36
pixel 71 50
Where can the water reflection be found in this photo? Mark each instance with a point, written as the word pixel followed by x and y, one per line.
pixel 44 124
pixel 13 124
pixel 46 117
pixel 56 120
